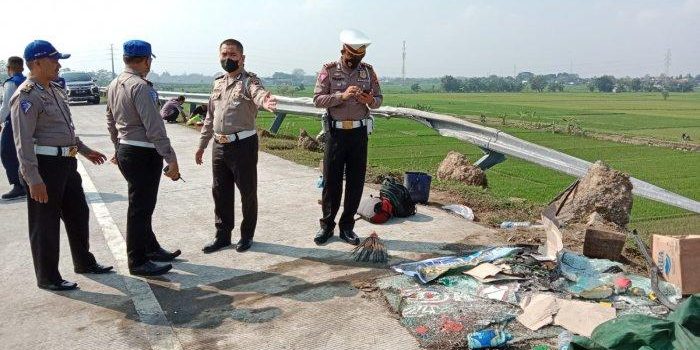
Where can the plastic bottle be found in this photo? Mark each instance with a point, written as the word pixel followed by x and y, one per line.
pixel 563 340
pixel 515 224
pixel 319 182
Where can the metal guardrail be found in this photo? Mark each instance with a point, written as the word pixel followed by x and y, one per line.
pixel 493 141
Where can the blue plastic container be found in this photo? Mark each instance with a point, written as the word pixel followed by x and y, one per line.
pixel 418 185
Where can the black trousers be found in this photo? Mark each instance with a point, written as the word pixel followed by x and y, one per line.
pixel 235 164
pixel 345 152
pixel 141 168
pixel 8 153
pixel 66 202
pixel 172 116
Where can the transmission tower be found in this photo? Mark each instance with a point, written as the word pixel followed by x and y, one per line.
pixel 403 65
pixel 667 62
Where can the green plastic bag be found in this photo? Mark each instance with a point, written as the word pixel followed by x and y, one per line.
pixel 679 331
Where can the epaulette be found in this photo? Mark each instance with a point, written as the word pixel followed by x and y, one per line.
pixel 220 76
pixel 251 74
pixel 367 65
pixel 330 64
pixel 56 85
pixel 28 87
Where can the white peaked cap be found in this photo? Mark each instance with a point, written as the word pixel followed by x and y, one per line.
pixel 354 38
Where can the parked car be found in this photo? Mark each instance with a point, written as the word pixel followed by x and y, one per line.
pixel 81 87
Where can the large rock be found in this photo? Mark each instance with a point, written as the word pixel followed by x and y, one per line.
pixel 306 142
pixel 604 191
pixel 457 167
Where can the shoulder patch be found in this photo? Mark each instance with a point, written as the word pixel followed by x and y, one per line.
pixel 28 87
pixel 367 65
pixel 154 95
pixel 25 105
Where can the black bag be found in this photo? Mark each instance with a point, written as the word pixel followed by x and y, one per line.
pixel 399 196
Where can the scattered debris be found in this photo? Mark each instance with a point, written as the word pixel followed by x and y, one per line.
pixel 582 317
pixel 484 270
pixel 602 190
pixel 515 224
pixel 306 142
pixel 456 166
pixel 444 300
pixel 430 269
pixel 538 311
pixel 461 210
pixel 372 249
pixel 631 332
pixel 488 338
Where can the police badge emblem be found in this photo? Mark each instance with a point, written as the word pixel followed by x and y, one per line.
pixel 25 105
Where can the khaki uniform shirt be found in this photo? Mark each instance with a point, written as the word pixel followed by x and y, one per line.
pixel 334 78
pixel 41 117
pixel 133 114
pixel 233 107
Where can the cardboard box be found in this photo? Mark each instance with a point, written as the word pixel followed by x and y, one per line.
pixel 678 258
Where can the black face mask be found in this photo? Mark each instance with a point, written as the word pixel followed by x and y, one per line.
pixel 229 65
pixel 353 62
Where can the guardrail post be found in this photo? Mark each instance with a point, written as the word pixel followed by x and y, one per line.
pixel 279 117
pixel 489 159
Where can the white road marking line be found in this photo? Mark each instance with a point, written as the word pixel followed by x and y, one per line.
pixel 159 331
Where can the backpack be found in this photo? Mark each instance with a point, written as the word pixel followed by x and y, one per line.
pixel 399 196
pixel 375 210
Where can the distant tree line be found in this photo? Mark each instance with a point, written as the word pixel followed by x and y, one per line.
pixel 608 83
pixel 557 82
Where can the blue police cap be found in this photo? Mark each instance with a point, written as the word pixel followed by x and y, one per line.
pixel 41 48
pixel 137 48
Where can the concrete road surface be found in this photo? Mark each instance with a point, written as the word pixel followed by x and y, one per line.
pixel 285 293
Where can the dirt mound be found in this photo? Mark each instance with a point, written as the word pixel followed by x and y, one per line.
pixel 456 166
pixel 604 191
pixel 306 141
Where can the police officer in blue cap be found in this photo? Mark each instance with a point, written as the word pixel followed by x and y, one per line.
pixel 46 148
pixel 141 144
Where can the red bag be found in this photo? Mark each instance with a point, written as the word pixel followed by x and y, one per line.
pixel 375 210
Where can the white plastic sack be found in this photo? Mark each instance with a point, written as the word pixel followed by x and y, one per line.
pixel 460 210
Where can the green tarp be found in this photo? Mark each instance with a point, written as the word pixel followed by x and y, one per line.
pixel 679 331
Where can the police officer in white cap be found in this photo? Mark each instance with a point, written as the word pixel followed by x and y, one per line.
pixel 348 89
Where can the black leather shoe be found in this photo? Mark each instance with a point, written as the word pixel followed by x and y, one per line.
pixel 163 255
pixel 95 268
pixel 350 237
pixel 215 245
pixel 322 236
pixel 61 285
pixel 242 245
pixel 16 192
pixel 150 268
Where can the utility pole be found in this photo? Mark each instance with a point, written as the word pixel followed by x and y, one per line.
pixel 403 65
pixel 111 51
pixel 667 62
pixel 514 69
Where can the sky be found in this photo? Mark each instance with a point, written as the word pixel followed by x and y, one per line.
pixel 460 38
